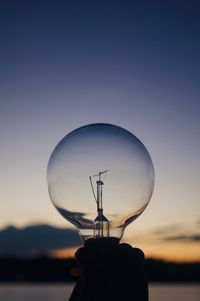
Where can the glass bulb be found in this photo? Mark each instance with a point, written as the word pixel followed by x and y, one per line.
pixel 100 178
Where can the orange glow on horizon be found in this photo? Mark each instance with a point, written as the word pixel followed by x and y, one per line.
pixel 173 253
pixel 176 252
pixel 63 253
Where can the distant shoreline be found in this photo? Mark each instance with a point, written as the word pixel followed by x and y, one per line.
pixel 50 270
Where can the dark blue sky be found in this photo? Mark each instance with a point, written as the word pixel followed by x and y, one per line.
pixel 64 64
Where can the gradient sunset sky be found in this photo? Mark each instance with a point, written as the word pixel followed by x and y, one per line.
pixel 136 64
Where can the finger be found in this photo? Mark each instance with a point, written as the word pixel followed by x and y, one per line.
pixel 134 256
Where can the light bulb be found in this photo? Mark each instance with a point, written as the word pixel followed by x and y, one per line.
pixel 100 178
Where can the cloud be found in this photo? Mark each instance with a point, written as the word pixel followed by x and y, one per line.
pixel 180 232
pixel 36 239
pixel 168 228
pixel 187 238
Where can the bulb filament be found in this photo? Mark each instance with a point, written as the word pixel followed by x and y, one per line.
pixel 101 223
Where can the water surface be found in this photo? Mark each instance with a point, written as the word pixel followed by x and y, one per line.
pixel 61 292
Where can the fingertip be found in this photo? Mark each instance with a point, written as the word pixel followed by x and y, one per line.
pixel 125 247
pixel 82 254
pixel 138 253
pixel 132 255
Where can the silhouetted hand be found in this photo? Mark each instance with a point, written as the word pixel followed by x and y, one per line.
pixel 110 272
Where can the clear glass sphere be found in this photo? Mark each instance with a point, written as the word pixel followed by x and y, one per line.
pixel 100 178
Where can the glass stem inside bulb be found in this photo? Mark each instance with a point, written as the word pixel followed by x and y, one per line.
pixel 101 223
